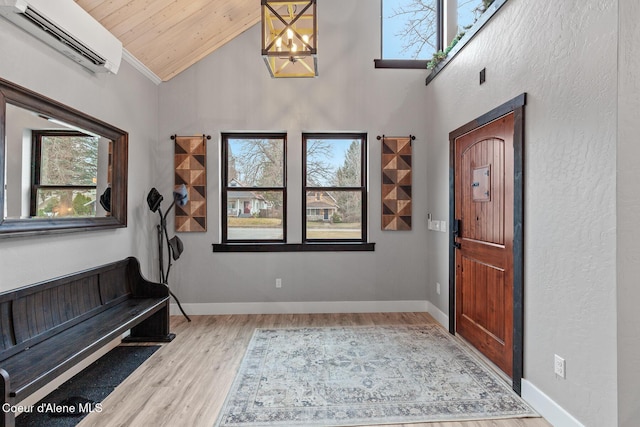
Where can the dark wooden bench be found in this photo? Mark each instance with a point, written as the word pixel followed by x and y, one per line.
pixel 47 328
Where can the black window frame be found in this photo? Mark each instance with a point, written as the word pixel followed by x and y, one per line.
pixel 36 164
pixel 411 63
pixel 363 188
pixel 225 188
pixel 440 41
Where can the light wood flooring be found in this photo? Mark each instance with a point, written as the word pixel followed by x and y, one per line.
pixel 186 381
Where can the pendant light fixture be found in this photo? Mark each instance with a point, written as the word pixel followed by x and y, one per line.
pixel 289 37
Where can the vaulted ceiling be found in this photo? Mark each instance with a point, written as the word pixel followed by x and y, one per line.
pixel 168 36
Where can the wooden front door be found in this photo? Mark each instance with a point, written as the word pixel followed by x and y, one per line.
pixel 484 206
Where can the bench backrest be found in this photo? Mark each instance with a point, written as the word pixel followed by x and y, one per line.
pixel 32 313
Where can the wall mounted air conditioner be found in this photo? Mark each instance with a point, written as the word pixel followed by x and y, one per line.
pixel 67 27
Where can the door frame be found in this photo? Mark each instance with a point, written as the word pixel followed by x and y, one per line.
pixel 516 106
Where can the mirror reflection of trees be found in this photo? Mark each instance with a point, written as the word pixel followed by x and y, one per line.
pixel 66 175
pixel 69 160
pixel 24 113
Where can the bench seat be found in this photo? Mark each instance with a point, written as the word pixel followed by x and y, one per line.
pixel 53 356
pixel 47 328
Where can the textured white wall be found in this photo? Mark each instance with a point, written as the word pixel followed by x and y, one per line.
pixel 628 198
pixel 231 91
pixel 128 101
pixel 563 55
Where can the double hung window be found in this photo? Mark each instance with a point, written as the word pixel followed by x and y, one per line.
pixel 332 206
pixel 334 187
pixel 64 174
pixel 254 188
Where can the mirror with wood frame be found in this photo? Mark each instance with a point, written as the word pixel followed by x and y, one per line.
pixel 60 169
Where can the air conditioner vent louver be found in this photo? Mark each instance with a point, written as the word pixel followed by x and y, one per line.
pixel 68 28
pixel 74 44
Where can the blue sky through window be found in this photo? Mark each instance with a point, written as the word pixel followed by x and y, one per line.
pixel 392 27
pixel 334 157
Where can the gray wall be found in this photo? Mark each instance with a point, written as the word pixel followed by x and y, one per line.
pixel 628 203
pixel 580 210
pixel 18 160
pixel 563 55
pixel 231 91
pixel 128 101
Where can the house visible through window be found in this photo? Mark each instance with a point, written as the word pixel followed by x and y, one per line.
pixel 254 193
pixel 64 174
pixel 254 190
pixel 334 187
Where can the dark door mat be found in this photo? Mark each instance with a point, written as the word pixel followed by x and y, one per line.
pixel 67 405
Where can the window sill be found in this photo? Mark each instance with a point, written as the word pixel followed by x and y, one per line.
pixel 294 247
pixel 401 63
pixel 469 34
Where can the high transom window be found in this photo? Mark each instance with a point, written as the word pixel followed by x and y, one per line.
pixel 416 29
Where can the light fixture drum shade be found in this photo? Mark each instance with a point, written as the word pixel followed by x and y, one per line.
pixel 290 37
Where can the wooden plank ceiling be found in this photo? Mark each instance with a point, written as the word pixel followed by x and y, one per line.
pixel 168 36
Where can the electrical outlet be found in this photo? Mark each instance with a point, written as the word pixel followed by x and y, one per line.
pixel 278 283
pixel 560 366
pixel 438 288
pixel 443 226
pixel 436 225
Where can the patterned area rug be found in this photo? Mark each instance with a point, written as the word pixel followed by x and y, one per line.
pixel 341 376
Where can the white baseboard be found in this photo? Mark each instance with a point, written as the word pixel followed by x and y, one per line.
pixel 438 314
pixel 290 307
pixel 545 406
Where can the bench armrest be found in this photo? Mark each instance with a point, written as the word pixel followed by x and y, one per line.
pixel 141 287
pixel 7 418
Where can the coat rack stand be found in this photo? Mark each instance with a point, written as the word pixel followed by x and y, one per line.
pixel 174 245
